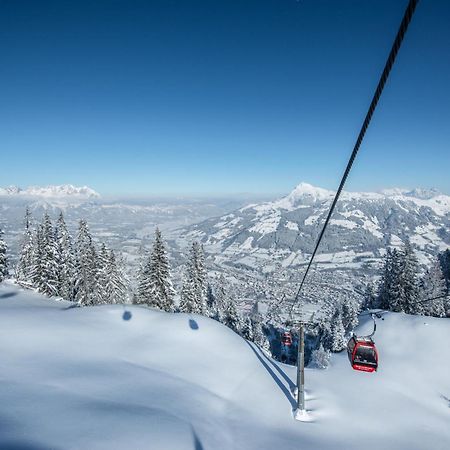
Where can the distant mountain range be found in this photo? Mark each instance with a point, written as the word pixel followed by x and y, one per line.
pixel 65 190
pixel 265 236
pixel 123 224
pixel 282 233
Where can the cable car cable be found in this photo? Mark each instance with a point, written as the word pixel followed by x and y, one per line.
pixel 384 76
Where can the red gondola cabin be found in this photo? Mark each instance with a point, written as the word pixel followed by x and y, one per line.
pixel 286 339
pixel 362 354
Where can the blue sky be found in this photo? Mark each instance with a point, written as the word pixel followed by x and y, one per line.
pixel 216 97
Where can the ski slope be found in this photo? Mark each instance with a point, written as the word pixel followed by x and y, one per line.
pixel 85 378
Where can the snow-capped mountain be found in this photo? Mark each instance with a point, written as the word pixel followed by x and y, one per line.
pixel 283 232
pixel 52 191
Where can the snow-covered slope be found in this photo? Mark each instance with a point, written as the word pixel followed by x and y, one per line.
pixel 65 190
pixel 87 379
pixel 363 225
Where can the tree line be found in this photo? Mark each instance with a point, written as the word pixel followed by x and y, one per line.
pixel 402 287
pixel 78 269
pixel 55 264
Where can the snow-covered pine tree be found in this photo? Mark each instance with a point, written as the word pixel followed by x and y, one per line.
pixel 337 333
pixel 154 279
pixel 444 259
pixel 115 287
pixel 3 258
pixel 220 297
pixel 188 299
pixel 389 288
pixel 330 329
pixel 350 312
pixel 320 358
pixel 433 285
pixel 323 327
pixel 197 259
pixel 119 279
pixel 193 292
pixel 211 302
pixel 35 271
pixel 86 267
pixel 370 299
pixel 44 272
pixel 160 277
pixel 24 265
pixel 65 260
pixel 384 286
pixel 103 296
pixel 259 336
pixel 409 282
pixel 143 292
pixel 247 329
pixel 232 318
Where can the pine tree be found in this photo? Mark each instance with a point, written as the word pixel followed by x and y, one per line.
pixel 220 297
pixel 65 260
pixel 259 335
pixel 116 288
pixel 211 302
pixel 320 358
pixel 24 265
pixel 193 292
pixel 143 293
pixel 389 289
pixel 111 282
pixel 350 311
pixel 370 299
pixel 86 267
pixel 124 281
pixel 409 283
pixel 3 258
pixel 154 280
pixel 323 329
pixel 37 258
pixel 44 270
pixel 103 275
pixel 337 333
pixel 444 259
pixel 232 318
pixel 433 285
pixel 160 277
pixel 189 300
pixel 247 329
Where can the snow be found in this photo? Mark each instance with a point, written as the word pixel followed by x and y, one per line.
pixel 396 241
pixel 418 240
pixel 268 225
pixel 305 191
pixel 306 194
pixel 312 219
pixel 247 245
pixel 291 226
pixel 343 223
pixel 77 378
pixel 373 227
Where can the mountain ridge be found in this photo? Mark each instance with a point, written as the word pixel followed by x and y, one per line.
pixel 283 231
pixel 52 191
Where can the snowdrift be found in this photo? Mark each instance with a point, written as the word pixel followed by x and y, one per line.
pixel 85 378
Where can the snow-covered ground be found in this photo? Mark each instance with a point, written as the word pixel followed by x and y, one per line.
pixel 86 378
